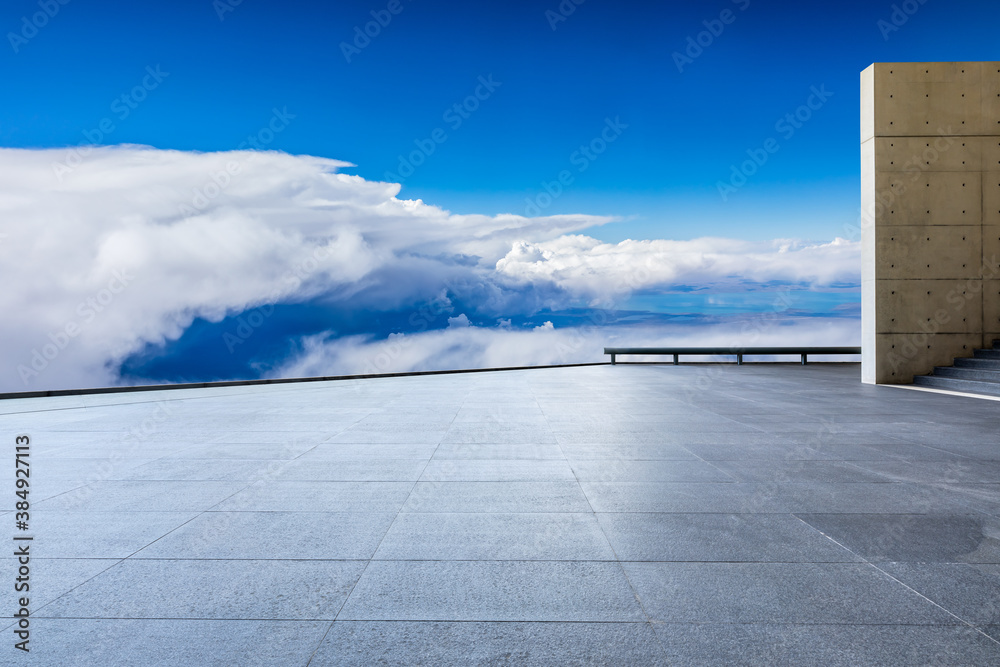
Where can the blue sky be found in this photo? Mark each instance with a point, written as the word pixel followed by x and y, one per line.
pixel 490 103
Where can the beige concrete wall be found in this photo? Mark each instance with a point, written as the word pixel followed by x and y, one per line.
pixel 930 206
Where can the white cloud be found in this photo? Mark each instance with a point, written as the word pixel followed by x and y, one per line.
pixel 208 235
pixel 600 271
pixel 476 347
pixel 286 228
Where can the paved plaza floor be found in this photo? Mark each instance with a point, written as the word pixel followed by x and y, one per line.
pixel 632 514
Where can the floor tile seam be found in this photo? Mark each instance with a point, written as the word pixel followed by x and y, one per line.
pixel 756 427
pixel 387 530
pixel 970 624
pixel 482 560
pixel 507 621
pixel 368 561
pixel 164 457
pixel 82 407
pixel 959 502
pixel 798 514
pixel 183 618
pixel 970 509
pixel 170 457
pixel 266 476
pixel 593 513
pixel 118 561
pixel 712 465
pixel 295 458
pixel 61 493
pixel 621 568
pixel 139 402
pixel 905 441
pixel 344 621
pixel 334 481
pixel 697 458
pixel 344 430
pixel 322 639
pixel 147 559
pixel 906 624
pixel 197 514
pixel 970 512
pixel 740 513
pixel 271 559
pixel 488 481
pixel 504 621
pixel 854 463
pixel 187 432
pixel 212 511
pixel 904 585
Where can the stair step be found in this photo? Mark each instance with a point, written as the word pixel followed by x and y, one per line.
pixel 954 384
pixel 980 374
pixel 987 354
pixel 982 364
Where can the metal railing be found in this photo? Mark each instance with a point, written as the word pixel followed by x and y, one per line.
pixel 803 352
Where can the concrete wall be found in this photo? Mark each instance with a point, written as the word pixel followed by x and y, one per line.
pixel 930 207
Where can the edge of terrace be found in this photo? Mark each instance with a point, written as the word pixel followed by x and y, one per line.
pixel 331 378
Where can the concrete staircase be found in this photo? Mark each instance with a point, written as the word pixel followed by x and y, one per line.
pixel 979 374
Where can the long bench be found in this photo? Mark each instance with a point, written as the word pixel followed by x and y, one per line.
pixel 804 352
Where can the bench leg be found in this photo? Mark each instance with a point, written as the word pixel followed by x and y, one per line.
pixel 739 359
pixel 612 360
pixel 676 359
pixel 803 360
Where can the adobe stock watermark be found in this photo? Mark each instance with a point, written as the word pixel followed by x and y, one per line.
pixel 900 14
pixel 578 337
pixel 388 351
pixel 31 25
pixel 223 7
pixel 914 166
pixel 786 126
pixel 581 158
pixel 218 181
pixel 751 331
pixel 454 116
pixel 363 35
pixel 133 440
pixel 211 533
pixel 121 108
pixel 248 322
pixel 562 12
pixel 87 310
pixel 714 28
pixel 638 276
pixel 917 163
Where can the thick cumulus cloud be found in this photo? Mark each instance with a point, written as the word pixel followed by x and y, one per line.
pixel 106 253
pixel 600 271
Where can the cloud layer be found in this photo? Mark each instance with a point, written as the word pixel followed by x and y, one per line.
pixel 602 271
pixel 130 245
pixel 476 347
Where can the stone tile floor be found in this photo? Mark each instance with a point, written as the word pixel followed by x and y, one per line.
pixel 636 514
